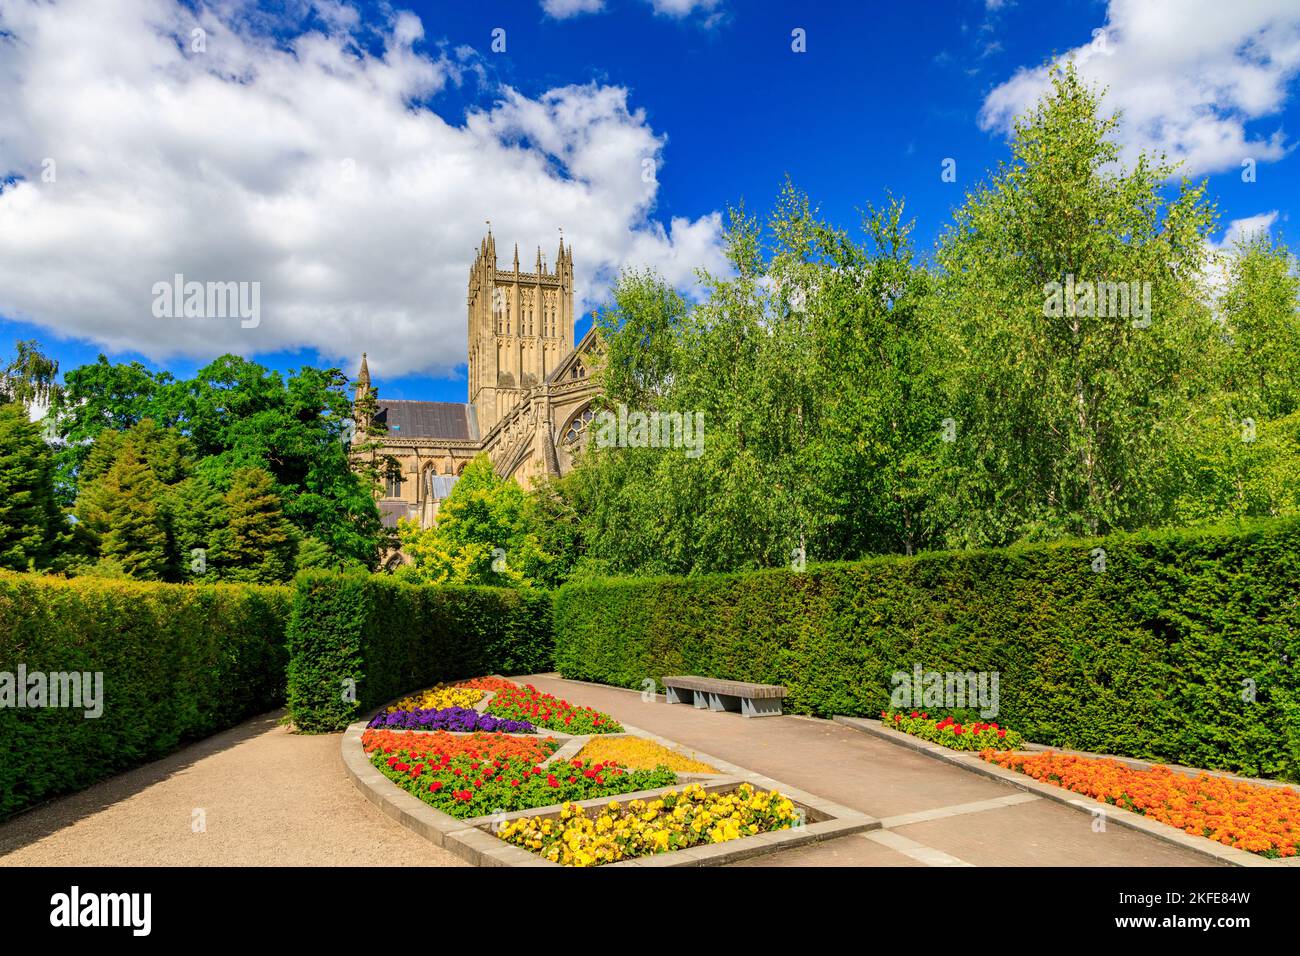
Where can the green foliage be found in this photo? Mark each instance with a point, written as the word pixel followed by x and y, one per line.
pixel 233 414
pixel 312 555
pixel 139 510
pixel 484 534
pixel 30 376
pixel 1153 657
pixel 1065 415
pixel 257 543
pixel 357 641
pixel 1258 309
pixel 32 529
pixel 101 398
pixel 178 663
pixel 124 515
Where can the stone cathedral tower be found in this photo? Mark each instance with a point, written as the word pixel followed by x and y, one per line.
pixel 520 328
pixel 531 392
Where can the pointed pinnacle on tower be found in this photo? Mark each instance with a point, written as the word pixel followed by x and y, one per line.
pixel 363 376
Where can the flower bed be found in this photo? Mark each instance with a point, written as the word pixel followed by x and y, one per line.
pixel 479 746
pixel 459 719
pixel 487 683
pixel 436 698
pixel 1262 820
pixel 951 733
pixel 638 753
pixel 496 774
pixel 673 821
pixel 547 710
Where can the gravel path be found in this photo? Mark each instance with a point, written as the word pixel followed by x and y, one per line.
pixel 265 797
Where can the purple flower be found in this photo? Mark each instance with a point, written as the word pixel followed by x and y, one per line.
pixel 460 719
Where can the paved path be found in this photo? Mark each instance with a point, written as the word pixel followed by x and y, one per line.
pixel 933 814
pixel 268 797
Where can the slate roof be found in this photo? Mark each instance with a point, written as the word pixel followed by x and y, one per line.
pixel 407 419
pixel 440 485
pixel 390 511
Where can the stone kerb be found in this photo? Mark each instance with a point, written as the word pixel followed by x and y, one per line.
pixel 472 840
pixel 1224 855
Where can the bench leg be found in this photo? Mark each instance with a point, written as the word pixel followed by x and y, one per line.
pixel 760 706
pixel 701 699
pixel 678 695
pixel 724 702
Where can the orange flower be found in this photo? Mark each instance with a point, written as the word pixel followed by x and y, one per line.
pixel 1259 819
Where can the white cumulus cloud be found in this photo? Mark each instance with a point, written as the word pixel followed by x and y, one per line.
pixel 133 149
pixel 1188 76
pixel 563 9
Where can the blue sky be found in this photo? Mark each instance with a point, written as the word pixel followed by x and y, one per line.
pixel 712 91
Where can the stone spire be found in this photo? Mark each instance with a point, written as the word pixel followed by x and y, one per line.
pixel 361 404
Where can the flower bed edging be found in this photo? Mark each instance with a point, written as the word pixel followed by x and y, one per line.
pixel 1226 855
pixel 472 841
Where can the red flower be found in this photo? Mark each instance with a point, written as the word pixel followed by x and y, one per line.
pixel 551 781
pixel 435 786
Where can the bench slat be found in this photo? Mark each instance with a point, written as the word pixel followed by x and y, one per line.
pixel 733 688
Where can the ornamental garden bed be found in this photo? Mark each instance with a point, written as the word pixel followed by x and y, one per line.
pixel 1258 819
pixel 550 712
pixel 1248 821
pixel 974 736
pixel 677 819
pixel 488 796
pixel 480 774
pixel 638 753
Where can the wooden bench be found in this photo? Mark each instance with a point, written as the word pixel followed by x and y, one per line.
pixel 711 693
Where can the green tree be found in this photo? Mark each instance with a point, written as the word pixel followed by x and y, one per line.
pixel 32 529
pixel 30 377
pixel 313 554
pixel 123 513
pixel 483 535
pixel 1260 312
pixel 110 469
pixel 237 414
pixel 257 543
pixel 1066 404
pixel 101 398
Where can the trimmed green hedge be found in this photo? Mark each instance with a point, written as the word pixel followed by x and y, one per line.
pixel 372 638
pixel 179 662
pixel 1146 658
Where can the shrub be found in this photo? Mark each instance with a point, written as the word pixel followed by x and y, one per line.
pixel 179 662
pixel 357 641
pixel 1183 649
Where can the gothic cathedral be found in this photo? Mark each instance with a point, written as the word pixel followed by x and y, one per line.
pixel 529 393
